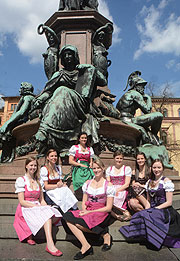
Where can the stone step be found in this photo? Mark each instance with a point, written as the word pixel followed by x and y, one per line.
pixel 7 212
pixel 8 231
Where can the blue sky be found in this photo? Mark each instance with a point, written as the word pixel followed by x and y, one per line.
pixel 146 38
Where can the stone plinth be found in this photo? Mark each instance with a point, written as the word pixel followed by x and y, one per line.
pixel 76 28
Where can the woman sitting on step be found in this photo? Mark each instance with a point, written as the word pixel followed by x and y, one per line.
pixel 32 212
pixel 95 214
pixel 56 191
pixel 159 222
pixel 139 178
pixel 120 176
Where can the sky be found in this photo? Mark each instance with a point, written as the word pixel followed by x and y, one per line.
pixel 146 38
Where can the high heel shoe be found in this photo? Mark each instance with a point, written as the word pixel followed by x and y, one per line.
pixel 56 253
pixel 107 247
pixel 79 255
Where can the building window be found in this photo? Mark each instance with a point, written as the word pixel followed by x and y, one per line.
pixel 179 112
pixel 164 137
pixel 13 106
pixel 165 112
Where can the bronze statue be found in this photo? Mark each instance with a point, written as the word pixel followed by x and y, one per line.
pixel 51 57
pixel 19 116
pixel 67 102
pixel 100 46
pixel 67 5
pixel 135 98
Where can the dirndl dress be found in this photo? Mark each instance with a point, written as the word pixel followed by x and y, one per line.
pixel 81 174
pixel 29 221
pixel 157 226
pixel 97 222
pixel 62 197
pixel 120 201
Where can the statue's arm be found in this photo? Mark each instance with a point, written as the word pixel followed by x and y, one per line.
pixel 18 114
pixel 144 106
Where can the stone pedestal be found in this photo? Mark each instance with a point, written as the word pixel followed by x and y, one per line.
pixel 76 28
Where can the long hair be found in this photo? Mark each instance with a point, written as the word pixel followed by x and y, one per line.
pixel 36 173
pixel 48 166
pixel 88 144
pixel 152 176
pixel 147 171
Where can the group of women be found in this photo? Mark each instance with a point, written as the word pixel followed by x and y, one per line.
pixel 143 191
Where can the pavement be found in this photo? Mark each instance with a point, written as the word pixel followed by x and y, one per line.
pixel 12 249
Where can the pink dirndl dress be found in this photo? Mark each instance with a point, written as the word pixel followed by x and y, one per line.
pixel 94 202
pixel 118 181
pixel 29 221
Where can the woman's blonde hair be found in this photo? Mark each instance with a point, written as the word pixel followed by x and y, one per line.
pixel 48 166
pixel 100 164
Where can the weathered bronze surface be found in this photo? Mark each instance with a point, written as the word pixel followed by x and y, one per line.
pixel 20 115
pixel 51 56
pixel 67 103
pixel 66 5
pixel 134 99
pixel 100 46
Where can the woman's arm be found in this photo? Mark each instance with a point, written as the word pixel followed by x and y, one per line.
pixel 25 203
pixel 47 186
pixel 41 199
pixel 108 178
pixel 107 208
pixel 74 163
pixel 85 197
pixel 144 201
pixel 168 203
pixel 126 184
pixel 91 163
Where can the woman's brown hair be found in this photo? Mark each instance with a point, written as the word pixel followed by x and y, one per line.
pixel 28 160
pixel 147 171
pixel 152 176
pixel 49 168
pixel 117 153
pixel 88 143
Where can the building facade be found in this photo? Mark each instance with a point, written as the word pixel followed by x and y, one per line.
pixel 10 104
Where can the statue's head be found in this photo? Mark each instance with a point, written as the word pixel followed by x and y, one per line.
pixel 136 82
pixel 72 51
pixel 26 88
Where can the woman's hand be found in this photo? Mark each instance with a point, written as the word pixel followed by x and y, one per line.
pixel 84 166
pixel 136 184
pixel 84 212
pixel 60 184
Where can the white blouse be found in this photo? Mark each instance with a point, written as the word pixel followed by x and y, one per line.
pixel 111 171
pixel 110 192
pixel 44 173
pixel 168 185
pixel 20 184
pixel 73 150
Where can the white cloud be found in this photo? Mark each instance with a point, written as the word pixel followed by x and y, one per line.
pixel 104 10
pixel 20 18
pixel 158 35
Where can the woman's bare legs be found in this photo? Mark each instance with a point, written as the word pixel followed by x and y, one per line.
pixel 80 236
pixel 48 233
pixel 135 205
